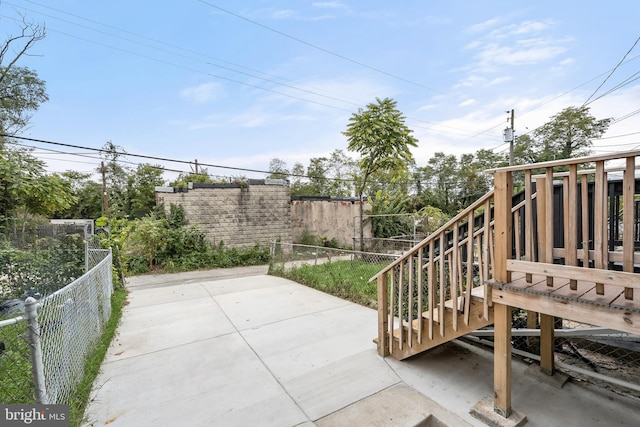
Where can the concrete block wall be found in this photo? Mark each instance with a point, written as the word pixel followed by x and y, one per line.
pixel 238 215
pixel 331 218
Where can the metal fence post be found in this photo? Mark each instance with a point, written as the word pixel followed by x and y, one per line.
pixel 31 311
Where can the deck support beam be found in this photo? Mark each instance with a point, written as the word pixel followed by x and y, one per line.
pixel 547 338
pixel 502 360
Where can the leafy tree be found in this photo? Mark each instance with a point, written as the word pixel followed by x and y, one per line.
pixel 88 196
pixel 297 183
pixel 440 180
pixel 343 169
pixel 390 214
pixel 116 177
pixel 141 189
pixel 378 133
pixel 26 189
pixel 183 180
pixel 567 135
pixel 21 91
pixel 278 169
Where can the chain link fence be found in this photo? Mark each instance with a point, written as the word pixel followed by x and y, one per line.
pixel 16 375
pixel 600 356
pixel 340 272
pixel 43 352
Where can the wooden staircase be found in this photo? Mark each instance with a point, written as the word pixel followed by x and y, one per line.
pixel 436 292
pixel 566 247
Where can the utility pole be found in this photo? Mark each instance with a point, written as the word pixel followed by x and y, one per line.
pixel 105 197
pixel 196 166
pixel 510 136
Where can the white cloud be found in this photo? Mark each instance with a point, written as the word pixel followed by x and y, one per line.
pixel 284 14
pixel 483 26
pixel 467 103
pixel 329 5
pixel 499 80
pixel 202 93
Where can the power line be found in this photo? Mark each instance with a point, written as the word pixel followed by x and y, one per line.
pixel 337 55
pixel 612 71
pixel 164 159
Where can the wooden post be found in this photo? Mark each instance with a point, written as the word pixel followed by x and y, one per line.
pixel 503 225
pixel 503 193
pixel 383 315
pixel 628 208
pixel 502 360
pixel 546 344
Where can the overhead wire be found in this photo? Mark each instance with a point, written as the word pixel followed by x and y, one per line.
pixel 612 71
pixel 337 55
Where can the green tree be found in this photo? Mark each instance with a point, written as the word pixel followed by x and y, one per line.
pixel 379 134
pixel 88 196
pixel 21 91
pixel 184 179
pixel 141 189
pixel 568 134
pixel 278 169
pixel 26 189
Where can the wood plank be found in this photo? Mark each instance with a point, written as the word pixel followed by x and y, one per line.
pixel 628 209
pixel 571 223
pixel 546 344
pixel 610 277
pixel 488 256
pixel 548 218
pixel 454 273
pixel 400 299
pixel 600 220
pixel 392 273
pixel 383 315
pixel 420 291
pixel 528 218
pixel 502 359
pixel 503 225
pixel 566 162
pixel 410 298
pixel 541 209
pixel 431 291
pixel 470 269
pixel 614 318
pixel 441 287
pixel 477 322
pixel 584 187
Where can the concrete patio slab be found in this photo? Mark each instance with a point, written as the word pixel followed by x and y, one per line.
pixel 217 349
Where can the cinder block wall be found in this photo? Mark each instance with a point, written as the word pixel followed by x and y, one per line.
pixel 238 215
pixel 331 218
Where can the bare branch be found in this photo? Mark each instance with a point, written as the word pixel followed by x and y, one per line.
pixel 30 33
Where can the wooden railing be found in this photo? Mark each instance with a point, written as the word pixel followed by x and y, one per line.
pixel 556 212
pixel 432 285
pixel 567 216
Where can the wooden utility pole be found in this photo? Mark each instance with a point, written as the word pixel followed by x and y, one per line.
pixel 511 140
pixel 105 196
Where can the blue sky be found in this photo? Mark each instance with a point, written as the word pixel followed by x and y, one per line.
pixel 237 83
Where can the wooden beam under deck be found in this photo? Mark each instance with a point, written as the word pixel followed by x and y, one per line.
pixel 584 304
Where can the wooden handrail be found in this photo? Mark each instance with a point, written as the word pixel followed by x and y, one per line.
pixel 462 215
pixel 565 162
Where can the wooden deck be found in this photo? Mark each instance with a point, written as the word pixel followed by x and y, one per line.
pixel 556 254
pixel 583 304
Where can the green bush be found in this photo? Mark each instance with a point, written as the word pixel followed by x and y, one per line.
pixel 165 242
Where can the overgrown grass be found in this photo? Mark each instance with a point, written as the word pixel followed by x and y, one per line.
pixel 345 279
pixel 92 367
